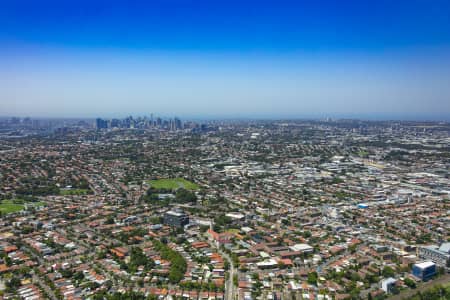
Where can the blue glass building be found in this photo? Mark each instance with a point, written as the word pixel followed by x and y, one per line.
pixel 424 271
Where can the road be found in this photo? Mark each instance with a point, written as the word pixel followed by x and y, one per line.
pixel 229 285
pixel 230 291
pixel 46 288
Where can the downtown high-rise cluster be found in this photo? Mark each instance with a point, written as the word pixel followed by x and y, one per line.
pixel 140 122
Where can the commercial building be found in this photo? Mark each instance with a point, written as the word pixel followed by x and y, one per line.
pixel 101 124
pixel 424 270
pixel 439 255
pixel 388 284
pixel 176 218
pixel 305 248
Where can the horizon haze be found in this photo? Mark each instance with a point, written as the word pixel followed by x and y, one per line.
pixel 265 59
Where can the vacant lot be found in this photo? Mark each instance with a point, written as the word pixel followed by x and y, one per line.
pixel 173 184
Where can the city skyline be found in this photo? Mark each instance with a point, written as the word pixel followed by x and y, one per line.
pixel 227 150
pixel 208 60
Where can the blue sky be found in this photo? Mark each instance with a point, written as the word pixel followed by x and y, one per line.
pixel 379 59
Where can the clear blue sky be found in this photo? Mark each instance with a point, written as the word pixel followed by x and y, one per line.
pixel 381 59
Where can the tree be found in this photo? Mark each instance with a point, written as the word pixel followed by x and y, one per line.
pixel 178 264
pixel 185 196
pixel 312 278
pixel 410 283
pixel 138 258
pixel 388 272
pixel 226 265
pixel 285 222
pixel 78 276
pixel 109 220
pixel 66 273
pixel 394 290
pixel 13 284
pixel 222 220
pixel 235 280
pixel 306 234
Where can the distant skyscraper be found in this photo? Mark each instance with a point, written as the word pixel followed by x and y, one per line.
pixel 178 124
pixel 101 124
pixel 140 122
pixel 115 123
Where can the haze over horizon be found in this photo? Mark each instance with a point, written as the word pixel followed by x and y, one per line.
pixel 258 59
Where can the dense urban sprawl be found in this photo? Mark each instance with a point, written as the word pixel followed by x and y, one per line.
pixel 144 208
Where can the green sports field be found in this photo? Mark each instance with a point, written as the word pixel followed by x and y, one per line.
pixel 173 184
pixel 12 206
pixel 7 206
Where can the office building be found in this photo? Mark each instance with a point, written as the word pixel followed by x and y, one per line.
pixel 387 285
pixel 101 124
pixel 176 218
pixel 439 255
pixel 424 270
